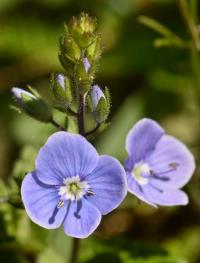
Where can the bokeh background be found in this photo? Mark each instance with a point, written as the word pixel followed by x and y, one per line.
pixel 144 82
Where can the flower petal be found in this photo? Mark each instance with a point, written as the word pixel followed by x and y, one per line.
pixel 82 219
pixel 165 198
pixel 172 163
pixel 40 201
pixel 65 155
pixel 137 190
pixel 154 196
pixel 142 139
pixel 108 182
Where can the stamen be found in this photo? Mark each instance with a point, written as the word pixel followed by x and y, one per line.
pixel 60 204
pixel 155 175
pixel 174 165
pixel 89 192
pixel 156 188
pixel 73 189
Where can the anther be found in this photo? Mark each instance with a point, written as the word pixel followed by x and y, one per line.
pixel 174 165
pixel 89 192
pixel 60 204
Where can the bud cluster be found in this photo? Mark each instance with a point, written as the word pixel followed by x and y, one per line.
pixel 74 91
pixel 80 50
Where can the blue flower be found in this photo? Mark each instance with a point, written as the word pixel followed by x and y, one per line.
pixel 72 185
pixel 158 165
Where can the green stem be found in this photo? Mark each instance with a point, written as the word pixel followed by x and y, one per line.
pixel 81 110
pixel 194 10
pixel 55 124
pixel 74 251
pixel 190 16
pixel 88 133
pixel 189 21
pixel 195 66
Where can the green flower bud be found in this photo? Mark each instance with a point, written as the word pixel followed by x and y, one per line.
pixel 84 78
pixel 100 106
pixel 33 105
pixel 61 87
pixel 69 50
pixel 83 29
pixel 94 51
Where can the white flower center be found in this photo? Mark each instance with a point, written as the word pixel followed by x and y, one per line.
pixel 73 188
pixel 140 173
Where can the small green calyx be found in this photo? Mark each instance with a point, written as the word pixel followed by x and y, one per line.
pixel 102 110
pixel 32 104
pixel 37 108
pixel 103 107
pixel 61 89
pixel 84 77
pixel 95 49
pixel 69 49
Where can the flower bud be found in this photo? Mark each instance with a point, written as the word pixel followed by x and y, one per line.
pixel 84 78
pixel 95 49
pixel 33 105
pixel 99 104
pixel 86 64
pixel 61 87
pixel 69 49
pixel 83 29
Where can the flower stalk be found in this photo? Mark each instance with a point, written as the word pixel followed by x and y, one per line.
pixel 80 116
pixel 190 16
pixel 74 250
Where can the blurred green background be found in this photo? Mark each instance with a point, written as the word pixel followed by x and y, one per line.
pixel 144 82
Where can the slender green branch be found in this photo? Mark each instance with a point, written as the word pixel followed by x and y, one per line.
pixel 93 130
pixel 190 16
pixel 194 10
pixel 168 37
pixel 195 66
pixel 55 124
pixel 189 21
pixel 73 113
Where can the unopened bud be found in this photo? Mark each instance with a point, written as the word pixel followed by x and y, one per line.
pixel 95 49
pixel 99 103
pixel 69 48
pixel 84 78
pixel 83 29
pixel 61 87
pixel 86 64
pixel 33 105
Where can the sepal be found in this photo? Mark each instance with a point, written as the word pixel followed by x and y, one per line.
pixel 61 89
pixel 33 105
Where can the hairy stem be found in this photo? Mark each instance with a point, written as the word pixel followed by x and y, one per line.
pixel 81 109
pixel 74 251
